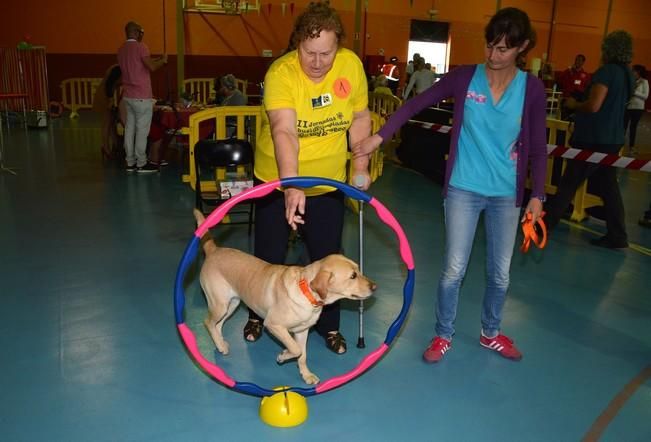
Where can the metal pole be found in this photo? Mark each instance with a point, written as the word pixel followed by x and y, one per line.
pixel 551 32
pixel 610 11
pixel 358 28
pixel 164 30
pixel 360 339
pixel 168 95
pixel 180 44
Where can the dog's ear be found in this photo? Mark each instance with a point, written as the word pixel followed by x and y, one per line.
pixel 321 282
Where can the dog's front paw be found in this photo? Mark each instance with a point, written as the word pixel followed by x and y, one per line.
pixel 310 378
pixel 285 355
pixel 223 348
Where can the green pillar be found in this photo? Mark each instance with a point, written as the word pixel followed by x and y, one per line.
pixel 610 10
pixel 180 45
pixel 358 28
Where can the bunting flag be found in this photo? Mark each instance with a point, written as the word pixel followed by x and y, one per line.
pixel 283 8
pixel 268 8
pixel 291 8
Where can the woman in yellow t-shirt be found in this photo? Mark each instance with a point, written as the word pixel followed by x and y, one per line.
pixel 313 96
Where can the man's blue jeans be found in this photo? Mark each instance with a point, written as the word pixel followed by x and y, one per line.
pixel 501 218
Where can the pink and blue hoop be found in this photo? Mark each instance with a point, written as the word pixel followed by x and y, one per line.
pixel 258 191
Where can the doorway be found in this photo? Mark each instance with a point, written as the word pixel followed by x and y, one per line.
pixel 431 40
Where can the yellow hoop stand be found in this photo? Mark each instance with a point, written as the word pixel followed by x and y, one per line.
pixel 283 409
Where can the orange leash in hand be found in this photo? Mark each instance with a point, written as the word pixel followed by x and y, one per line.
pixel 531 235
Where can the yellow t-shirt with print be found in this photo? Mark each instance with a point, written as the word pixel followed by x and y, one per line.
pixel 324 112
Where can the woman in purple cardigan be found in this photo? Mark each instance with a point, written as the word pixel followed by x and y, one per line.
pixel 498 130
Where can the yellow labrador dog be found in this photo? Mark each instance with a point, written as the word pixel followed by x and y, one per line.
pixel 289 298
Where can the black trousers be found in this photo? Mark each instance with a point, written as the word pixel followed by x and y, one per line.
pixel 321 234
pixel 605 178
pixel 632 116
pixel 393 85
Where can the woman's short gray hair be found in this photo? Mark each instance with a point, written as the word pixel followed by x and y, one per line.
pixel 617 48
pixel 228 81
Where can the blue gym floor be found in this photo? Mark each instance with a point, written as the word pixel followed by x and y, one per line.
pixel 91 351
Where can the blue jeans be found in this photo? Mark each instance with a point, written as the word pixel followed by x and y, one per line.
pixel 501 219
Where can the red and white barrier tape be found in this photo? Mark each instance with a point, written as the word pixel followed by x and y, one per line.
pixel 432 126
pixel 604 159
pixel 569 153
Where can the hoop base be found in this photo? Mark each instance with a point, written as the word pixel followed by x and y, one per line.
pixel 283 409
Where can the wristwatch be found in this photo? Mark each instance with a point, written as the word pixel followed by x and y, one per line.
pixel 542 198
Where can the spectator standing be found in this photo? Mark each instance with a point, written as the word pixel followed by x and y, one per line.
pixel 411 64
pixel 421 80
pixel 574 80
pixel 598 127
pixel 136 65
pixel 391 71
pixel 105 103
pixel 635 107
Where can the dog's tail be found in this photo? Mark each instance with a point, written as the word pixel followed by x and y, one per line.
pixel 207 241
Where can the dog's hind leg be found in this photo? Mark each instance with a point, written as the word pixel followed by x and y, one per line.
pixel 218 313
pixel 309 377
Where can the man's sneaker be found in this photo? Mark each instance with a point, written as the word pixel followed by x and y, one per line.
pixel 130 168
pixel 436 350
pixel 148 168
pixel 161 163
pixel 501 344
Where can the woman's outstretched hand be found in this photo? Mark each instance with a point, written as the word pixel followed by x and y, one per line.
pixel 367 146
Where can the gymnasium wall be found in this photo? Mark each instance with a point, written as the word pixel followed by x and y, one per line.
pixel 82 36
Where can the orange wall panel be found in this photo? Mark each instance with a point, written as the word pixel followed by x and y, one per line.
pixel 76 27
pixel 82 26
pixel 584 15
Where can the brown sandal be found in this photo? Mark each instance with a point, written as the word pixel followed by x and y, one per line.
pixel 336 342
pixel 252 330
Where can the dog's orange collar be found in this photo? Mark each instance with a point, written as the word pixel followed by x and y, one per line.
pixel 307 292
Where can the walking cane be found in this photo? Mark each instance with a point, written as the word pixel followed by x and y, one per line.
pixel 360 339
pixel 358 181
